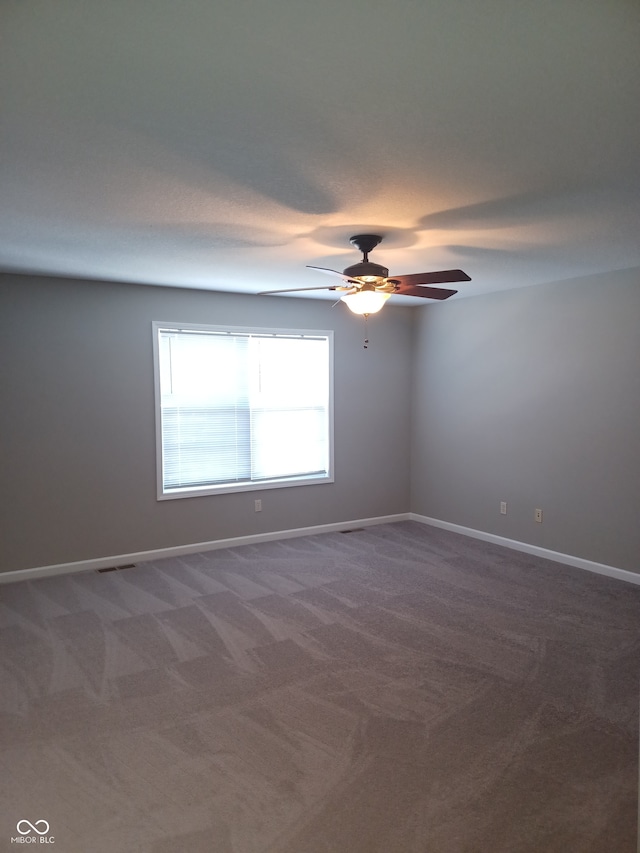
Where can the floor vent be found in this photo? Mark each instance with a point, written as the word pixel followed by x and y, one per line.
pixel 116 568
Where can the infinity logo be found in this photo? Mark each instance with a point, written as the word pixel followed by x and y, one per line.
pixel 32 827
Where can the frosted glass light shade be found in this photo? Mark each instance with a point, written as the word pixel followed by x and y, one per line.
pixel 365 301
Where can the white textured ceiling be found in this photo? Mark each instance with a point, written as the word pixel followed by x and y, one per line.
pixel 224 144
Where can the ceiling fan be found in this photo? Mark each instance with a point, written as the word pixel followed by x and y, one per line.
pixel 367 286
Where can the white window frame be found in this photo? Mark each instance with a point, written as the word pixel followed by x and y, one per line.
pixel 229 488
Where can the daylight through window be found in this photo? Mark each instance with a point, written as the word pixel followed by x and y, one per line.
pixel 241 409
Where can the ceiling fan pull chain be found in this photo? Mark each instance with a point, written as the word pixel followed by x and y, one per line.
pixel 366 331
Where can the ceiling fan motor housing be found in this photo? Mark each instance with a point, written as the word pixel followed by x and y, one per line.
pixel 366 268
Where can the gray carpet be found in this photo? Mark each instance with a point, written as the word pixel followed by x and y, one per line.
pixel 399 688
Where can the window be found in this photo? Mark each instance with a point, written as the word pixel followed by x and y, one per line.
pixel 240 409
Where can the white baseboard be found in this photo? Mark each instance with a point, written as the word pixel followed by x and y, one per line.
pixel 335 527
pixel 557 557
pixel 196 548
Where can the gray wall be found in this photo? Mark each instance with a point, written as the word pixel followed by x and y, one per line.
pixel 533 396
pixel 78 434
pixel 530 396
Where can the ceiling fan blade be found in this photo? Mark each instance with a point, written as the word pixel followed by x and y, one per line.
pixel 330 272
pixel 300 289
pixel 439 277
pixel 426 292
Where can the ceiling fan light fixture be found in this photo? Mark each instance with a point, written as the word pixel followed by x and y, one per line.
pixel 365 301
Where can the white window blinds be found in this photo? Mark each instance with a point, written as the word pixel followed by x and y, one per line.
pixel 240 409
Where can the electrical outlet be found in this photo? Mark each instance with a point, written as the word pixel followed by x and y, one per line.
pixel 258 505
pixel 538 516
pixel 503 507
